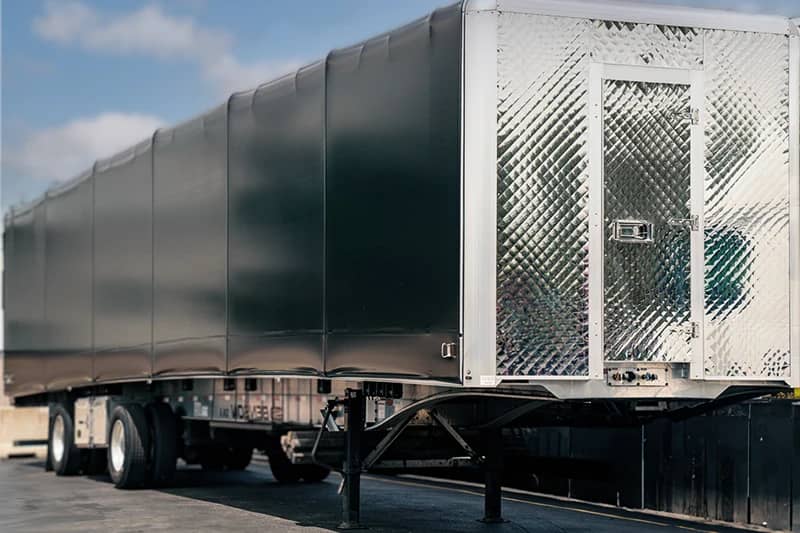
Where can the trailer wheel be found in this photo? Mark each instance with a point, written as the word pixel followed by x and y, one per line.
pixel 128 442
pixel 282 469
pixel 64 455
pixel 48 458
pixel 313 473
pixel 238 458
pixel 164 449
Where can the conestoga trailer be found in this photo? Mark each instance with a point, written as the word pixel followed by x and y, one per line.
pixel 505 212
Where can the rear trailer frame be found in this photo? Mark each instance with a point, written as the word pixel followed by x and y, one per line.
pixel 548 184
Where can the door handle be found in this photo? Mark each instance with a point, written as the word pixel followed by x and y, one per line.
pixel 632 231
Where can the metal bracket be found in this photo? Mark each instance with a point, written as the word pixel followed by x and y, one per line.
pixel 377 452
pixel 453 433
pixel 692 223
pixel 327 423
pixel 386 441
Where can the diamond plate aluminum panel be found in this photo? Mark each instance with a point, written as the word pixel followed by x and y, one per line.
pixel 626 43
pixel 746 205
pixel 542 270
pixel 646 131
pixel 542 226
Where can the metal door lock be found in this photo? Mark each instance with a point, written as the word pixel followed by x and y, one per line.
pixel 632 231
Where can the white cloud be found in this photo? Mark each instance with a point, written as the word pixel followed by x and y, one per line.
pixel 229 75
pixel 64 151
pixel 151 32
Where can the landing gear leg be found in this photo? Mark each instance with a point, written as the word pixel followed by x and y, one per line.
pixel 492 504
pixel 354 410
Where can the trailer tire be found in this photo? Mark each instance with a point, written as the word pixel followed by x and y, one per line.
pixel 314 473
pixel 64 456
pixel 282 468
pixel 238 458
pixel 164 448
pixel 128 443
pixel 48 457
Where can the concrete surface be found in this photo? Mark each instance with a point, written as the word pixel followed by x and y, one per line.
pixel 32 500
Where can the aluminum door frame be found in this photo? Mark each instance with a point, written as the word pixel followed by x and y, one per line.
pixel 794 202
pixel 598 73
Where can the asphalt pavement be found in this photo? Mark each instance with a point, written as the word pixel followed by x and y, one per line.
pixel 32 500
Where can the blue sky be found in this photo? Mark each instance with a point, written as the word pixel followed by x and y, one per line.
pixel 82 79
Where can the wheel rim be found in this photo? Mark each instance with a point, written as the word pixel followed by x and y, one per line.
pixel 117 445
pixel 57 444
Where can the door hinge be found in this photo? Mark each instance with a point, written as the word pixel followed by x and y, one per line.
pixel 694 116
pixel 687 330
pixel 693 222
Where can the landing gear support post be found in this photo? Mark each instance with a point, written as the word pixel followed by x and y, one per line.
pixel 354 414
pixel 492 504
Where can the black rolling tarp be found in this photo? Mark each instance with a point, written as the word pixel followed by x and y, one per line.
pixel 25 351
pixel 393 200
pixel 276 198
pixel 189 246
pixel 123 264
pixel 68 285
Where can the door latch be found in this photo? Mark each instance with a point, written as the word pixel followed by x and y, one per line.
pixel 449 350
pixel 632 231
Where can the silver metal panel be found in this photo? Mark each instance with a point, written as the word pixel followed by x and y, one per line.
pixel 542 186
pixel 794 195
pixel 542 302
pixel 479 212
pixel 747 284
pixel 650 45
pixel 646 136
